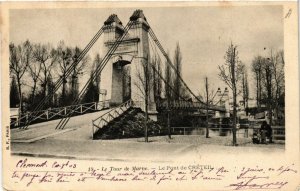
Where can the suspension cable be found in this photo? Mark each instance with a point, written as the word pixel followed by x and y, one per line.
pixel 99 69
pixel 165 81
pixel 170 63
pixel 68 72
pixel 153 36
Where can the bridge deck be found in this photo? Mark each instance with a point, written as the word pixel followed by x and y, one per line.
pixel 47 128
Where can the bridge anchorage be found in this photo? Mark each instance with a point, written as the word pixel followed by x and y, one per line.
pixel 128 50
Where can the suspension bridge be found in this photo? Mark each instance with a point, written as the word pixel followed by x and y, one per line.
pixel 125 48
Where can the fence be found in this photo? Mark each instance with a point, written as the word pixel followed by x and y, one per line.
pixel 56 113
pixel 278 131
pixel 220 131
pixel 109 116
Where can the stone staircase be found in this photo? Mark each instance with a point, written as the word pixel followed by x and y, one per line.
pixel 130 124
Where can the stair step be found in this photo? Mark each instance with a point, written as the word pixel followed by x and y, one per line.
pixel 129 125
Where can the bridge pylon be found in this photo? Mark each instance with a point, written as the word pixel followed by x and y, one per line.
pixel 128 61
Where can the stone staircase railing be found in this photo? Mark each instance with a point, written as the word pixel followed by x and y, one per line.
pixel 109 116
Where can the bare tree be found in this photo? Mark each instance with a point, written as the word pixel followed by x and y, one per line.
pixel 168 93
pixel 34 70
pixel 144 84
pixel 77 70
pixel 157 81
pixel 267 80
pixel 281 80
pixel 269 76
pixel 91 94
pixel 45 57
pixel 277 62
pixel 97 62
pixel 168 78
pixel 208 97
pixel 178 67
pixel 14 99
pixel 18 62
pixel 257 70
pixel 230 72
pixel 207 102
pixel 64 60
pixel 245 87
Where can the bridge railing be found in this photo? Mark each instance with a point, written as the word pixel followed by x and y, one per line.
pixel 109 116
pixel 55 113
pixel 182 104
pixel 223 130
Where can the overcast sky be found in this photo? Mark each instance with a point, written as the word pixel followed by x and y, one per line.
pixel 204 33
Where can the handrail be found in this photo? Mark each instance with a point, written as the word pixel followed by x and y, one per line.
pixel 189 104
pixel 113 109
pixel 44 114
pixel 61 107
pixel 109 116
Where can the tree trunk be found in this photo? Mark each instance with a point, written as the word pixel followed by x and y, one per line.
pixel 207 130
pixel 63 93
pixel 33 93
pixel 147 79
pixel 20 95
pixel 270 106
pixel 234 119
pixel 168 124
pixel 259 85
pixel 269 92
pixel 206 88
pixel 233 68
pixel 257 90
pixel 146 118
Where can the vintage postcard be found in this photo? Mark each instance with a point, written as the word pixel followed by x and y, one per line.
pixel 150 96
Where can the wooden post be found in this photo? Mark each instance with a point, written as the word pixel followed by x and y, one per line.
pixel 65 108
pixel 80 108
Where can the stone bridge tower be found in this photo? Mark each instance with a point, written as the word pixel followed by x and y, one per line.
pixel 128 60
